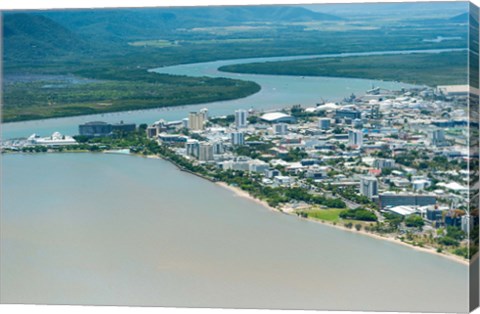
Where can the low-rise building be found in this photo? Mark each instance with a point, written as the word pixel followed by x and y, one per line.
pixel 95 129
pixel 172 138
pixel 56 139
pixel 123 127
pixel 282 180
pixel 398 199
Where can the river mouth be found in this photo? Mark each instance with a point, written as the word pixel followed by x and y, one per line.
pixel 276 92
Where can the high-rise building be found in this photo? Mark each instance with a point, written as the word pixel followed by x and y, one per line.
pixel 324 123
pixel 204 112
pixel 237 138
pixel 280 129
pixel 241 118
pixel 375 112
pixel 205 152
pixel 193 148
pixel 369 187
pixel 196 121
pixel 218 148
pixel 185 123
pixel 437 137
pixel 355 138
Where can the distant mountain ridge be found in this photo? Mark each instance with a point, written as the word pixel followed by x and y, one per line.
pixel 35 36
pixel 148 22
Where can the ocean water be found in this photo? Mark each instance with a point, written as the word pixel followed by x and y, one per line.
pixel 108 229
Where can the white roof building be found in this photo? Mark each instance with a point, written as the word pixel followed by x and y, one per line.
pixel 450 90
pixel 454 186
pixel 277 117
pixel 402 210
pixel 56 139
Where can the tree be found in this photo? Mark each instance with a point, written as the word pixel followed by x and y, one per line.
pixel 386 171
pixel 455 233
pixel 394 220
pixel 414 221
pixel 448 241
pixel 358 214
pixel 358 227
pixel 253 119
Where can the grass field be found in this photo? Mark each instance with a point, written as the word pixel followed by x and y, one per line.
pixel 331 214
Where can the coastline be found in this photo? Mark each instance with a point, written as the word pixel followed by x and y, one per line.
pixel 239 192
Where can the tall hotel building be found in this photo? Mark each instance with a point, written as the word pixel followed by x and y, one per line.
pixel 355 138
pixel 369 187
pixel 196 120
pixel 241 118
pixel 237 138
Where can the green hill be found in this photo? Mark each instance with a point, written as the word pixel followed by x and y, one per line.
pixel 154 22
pixel 28 36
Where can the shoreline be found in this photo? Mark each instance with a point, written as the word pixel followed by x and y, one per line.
pixel 239 192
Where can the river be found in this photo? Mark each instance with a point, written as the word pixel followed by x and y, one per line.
pixel 277 92
pixel 123 230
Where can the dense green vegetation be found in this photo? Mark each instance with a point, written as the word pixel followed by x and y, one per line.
pixel 420 160
pixel 423 69
pixel 358 214
pixel 236 32
pixel 115 90
pixel 349 193
pixel 414 221
pixel 273 196
pixel 115 48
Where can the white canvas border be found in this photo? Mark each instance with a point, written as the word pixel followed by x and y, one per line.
pixel 50 4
